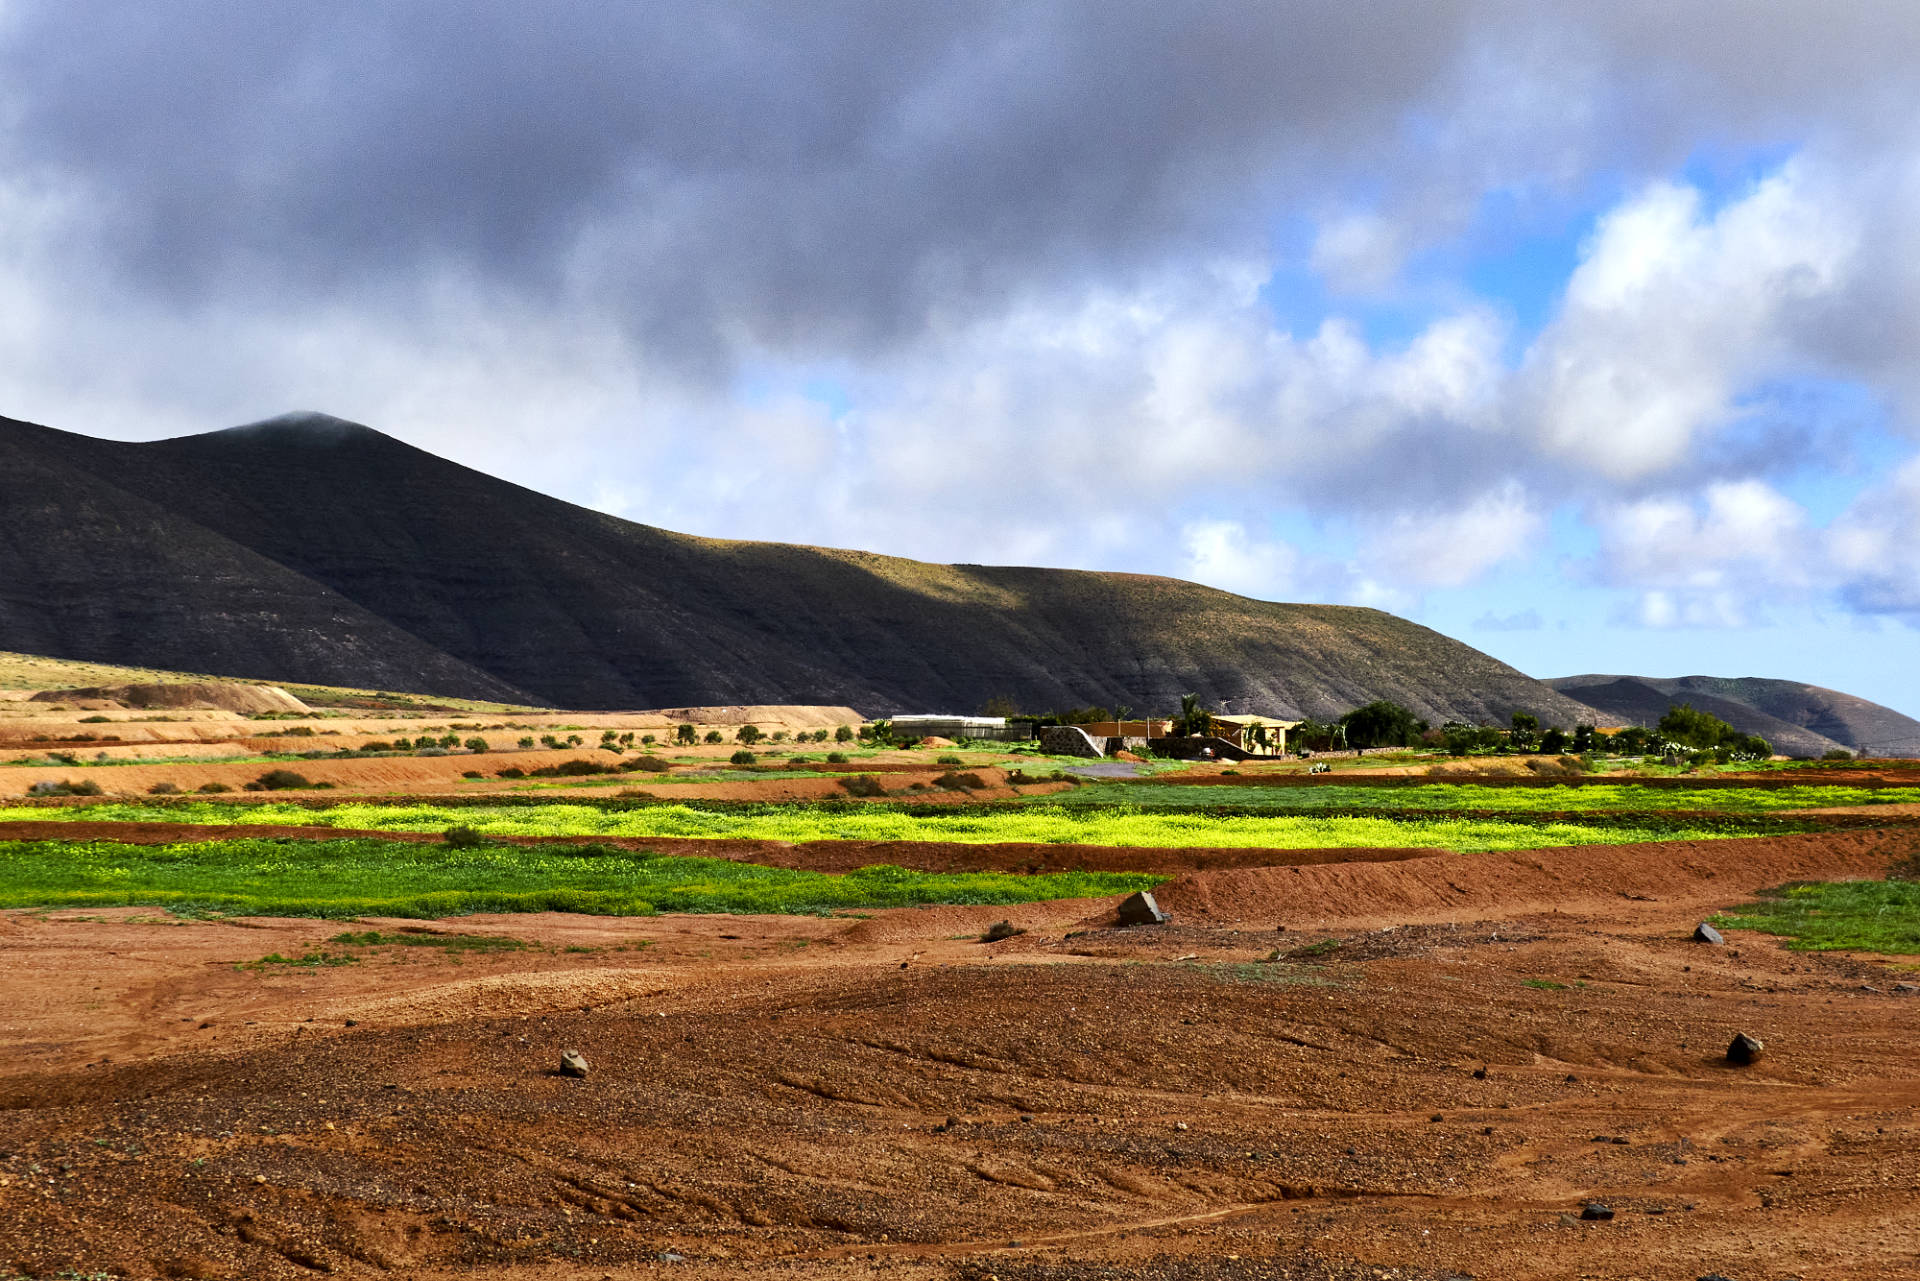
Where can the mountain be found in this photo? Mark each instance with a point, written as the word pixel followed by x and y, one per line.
pixel 305 548
pixel 1799 720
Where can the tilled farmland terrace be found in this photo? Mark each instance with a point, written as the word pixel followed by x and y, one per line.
pixel 1419 1055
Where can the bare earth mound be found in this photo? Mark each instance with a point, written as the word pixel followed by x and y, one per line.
pixel 220 696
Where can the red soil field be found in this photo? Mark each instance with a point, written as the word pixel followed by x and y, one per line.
pixel 1496 1041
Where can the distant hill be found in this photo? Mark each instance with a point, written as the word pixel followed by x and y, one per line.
pixel 310 549
pixel 1799 720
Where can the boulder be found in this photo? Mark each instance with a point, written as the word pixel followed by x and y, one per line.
pixel 573 1063
pixel 1745 1049
pixel 1140 909
pixel 1594 1212
pixel 1704 933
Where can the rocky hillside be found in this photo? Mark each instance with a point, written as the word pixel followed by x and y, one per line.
pixel 1799 720
pixel 310 549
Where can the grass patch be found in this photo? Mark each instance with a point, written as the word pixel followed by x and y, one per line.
pixel 1543 985
pixel 1832 916
pixel 310 960
pixel 371 877
pixel 1112 824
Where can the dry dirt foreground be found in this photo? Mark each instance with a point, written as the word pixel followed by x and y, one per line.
pixel 801 1097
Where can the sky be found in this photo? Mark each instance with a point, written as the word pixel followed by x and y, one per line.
pixel 1587 334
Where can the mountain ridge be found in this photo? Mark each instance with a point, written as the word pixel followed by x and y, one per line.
pixel 1796 718
pixel 309 548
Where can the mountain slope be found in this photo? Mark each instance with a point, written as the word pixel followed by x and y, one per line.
pixel 485 589
pixel 1800 720
pixel 89 569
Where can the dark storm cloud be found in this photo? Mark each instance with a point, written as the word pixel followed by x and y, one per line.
pixel 806 176
pixel 827 176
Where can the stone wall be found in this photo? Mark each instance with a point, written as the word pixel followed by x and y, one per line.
pixel 1068 740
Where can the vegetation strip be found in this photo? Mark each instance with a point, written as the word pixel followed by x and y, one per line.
pixel 1113 825
pixel 1830 916
pixel 371 877
pixel 1480 798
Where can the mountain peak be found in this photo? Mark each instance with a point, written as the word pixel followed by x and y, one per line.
pixel 302 424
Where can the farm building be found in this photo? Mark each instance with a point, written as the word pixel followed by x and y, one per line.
pixel 1246 732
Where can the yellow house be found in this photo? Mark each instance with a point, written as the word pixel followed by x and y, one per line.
pixel 1246 732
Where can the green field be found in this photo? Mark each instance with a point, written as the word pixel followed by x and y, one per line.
pixel 372 877
pixel 1111 824
pixel 1861 916
pixel 1476 798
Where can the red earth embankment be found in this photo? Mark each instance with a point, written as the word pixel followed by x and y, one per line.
pixel 1588 877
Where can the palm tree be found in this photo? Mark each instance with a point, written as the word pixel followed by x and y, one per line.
pixel 1193 718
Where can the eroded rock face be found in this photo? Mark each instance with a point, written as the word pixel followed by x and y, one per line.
pixel 1140 909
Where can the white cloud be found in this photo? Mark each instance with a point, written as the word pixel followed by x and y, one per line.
pixel 1875 547
pixel 1220 553
pixel 1675 311
pixel 1452 548
pixel 1359 253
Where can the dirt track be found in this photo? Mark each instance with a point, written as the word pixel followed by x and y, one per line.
pixel 806 1098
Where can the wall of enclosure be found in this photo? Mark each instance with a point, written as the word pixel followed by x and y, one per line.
pixel 990 727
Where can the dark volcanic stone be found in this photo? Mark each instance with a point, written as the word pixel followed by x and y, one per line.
pixel 1704 933
pixel 1745 1049
pixel 1140 909
pixel 1593 1211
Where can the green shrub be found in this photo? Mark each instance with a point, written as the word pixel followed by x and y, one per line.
pixel 748 734
pixel 836 758
pixel 957 782
pixel 742 757
pixel 863 785
pixel 647 739
pixel 472 773
pixel 212 789
pixel 511 771
pixel 948 760
pixel 1836 754
pixel 378 745
pixel 842 735
pixel 570 769
pixel 96 720
pixel 164 789
pixel 713 736
pixel 279 780
pixel 526 741
pixel 52 787
pixel 476 744
pixel 462 837
pixel 651 764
